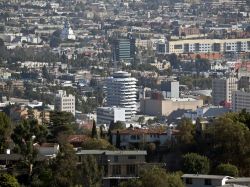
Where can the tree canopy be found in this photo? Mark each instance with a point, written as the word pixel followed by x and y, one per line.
pixel 7 180
pixel 227 169
pixel 158 177
pixel 194 163
pixel 5 129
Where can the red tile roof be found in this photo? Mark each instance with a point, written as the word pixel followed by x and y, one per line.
pixel 77 138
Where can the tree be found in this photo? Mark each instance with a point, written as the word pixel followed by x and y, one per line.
pixel 141 119
pixel 64 167
pixel 229 142
pixel 7 180
pixel 174 180
pixel 90 173
pixel 42 175
pixel 46 74
pixel 194 163
pixel 5 128
pixel 158 177
pixel 227 169
pixel 55 39
pixel 117 125
pixel 62 122
pixel 94 131
pixel 186 134
pixel 24 136
pixel 97 144
pixel 131 183
pixel 102 135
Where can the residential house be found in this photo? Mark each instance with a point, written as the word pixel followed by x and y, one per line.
pixel 197 180
pixel 118 165
pixel 136 137
pixel 47 149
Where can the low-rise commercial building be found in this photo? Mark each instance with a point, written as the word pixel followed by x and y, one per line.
pixel 164 107
pixel 107 114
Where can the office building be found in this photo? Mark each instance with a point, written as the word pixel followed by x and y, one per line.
pixel 123 50
pixel 240 101
pixel 165 107
pixel 121 92
pixel 107 114
pixel 222 90
pixel 209 46
pixel 171 87
pixel 64 102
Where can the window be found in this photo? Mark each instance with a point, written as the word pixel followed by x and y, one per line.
pixel 131 157
pixel 189 181
pixel 177 46
pixel 208 182
pixel 130 169
pixel 115 158
pixel 116 170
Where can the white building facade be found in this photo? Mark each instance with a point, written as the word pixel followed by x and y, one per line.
pixel 107 114
pixel 64 102
pixel 121 92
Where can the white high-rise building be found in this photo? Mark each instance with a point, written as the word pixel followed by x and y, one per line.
pixel 222 89
pixel 121 92
pixel 64 102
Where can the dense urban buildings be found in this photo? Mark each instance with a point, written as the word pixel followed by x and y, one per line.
pixel 124 93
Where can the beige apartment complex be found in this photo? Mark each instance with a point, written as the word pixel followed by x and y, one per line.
pixel 164 107
pixel 64 102
pixel 209 46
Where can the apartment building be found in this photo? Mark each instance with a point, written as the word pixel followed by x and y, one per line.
pixel 164 107
pixel 121 92
pixel 64 102
pixel 209 46
pixel 240 101
pixel 222 89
